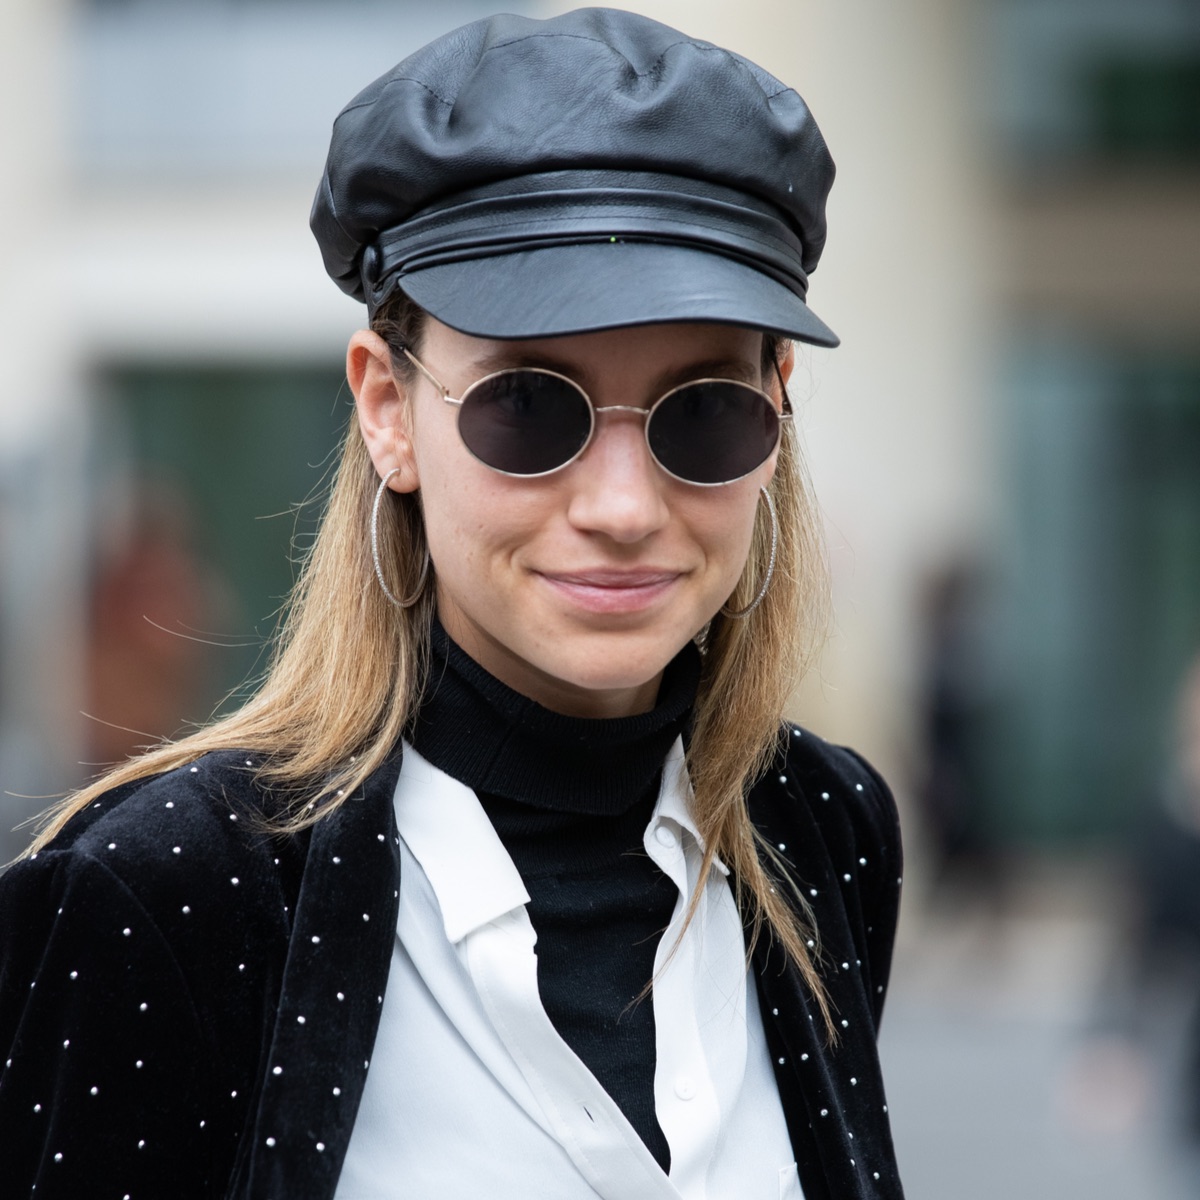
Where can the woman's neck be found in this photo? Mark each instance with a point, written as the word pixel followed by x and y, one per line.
pixel 495 740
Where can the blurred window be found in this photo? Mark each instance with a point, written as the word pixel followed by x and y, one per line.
pixel 1103 598
pixel 1145 107
pixel 1076 81
pixel 197 88
pixel 214 464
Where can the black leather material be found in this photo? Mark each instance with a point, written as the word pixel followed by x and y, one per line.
pixel 522 178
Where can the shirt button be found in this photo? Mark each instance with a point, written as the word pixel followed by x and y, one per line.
pixel 685 1087
pixel 664 836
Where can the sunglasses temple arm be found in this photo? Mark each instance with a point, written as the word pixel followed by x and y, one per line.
pixel 787 411
pixel 441 387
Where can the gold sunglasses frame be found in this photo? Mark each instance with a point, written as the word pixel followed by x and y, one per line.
pixel 595 410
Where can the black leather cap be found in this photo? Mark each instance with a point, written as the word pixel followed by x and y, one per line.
pixel 524 178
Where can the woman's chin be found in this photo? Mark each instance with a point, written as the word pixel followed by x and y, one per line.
pixel 617 684
pixel 589 665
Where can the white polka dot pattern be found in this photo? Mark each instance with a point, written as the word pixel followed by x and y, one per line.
pixel 180 923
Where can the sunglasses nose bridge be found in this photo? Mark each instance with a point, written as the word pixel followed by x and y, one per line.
pixel 629 408
pixel 637 410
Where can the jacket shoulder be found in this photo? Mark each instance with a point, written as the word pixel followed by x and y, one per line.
pixel 189 848
pixel 196 794
pixel 140 954
pixel 833 785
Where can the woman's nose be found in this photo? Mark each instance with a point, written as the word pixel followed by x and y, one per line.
pixel 617 488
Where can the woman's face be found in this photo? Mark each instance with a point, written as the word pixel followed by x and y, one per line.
pixel 575 588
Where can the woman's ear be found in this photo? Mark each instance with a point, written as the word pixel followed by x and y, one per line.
pixel 786 362
pixel 774 385
pixel 382 403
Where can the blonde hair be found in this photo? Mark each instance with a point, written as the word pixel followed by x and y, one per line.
pixel 347 669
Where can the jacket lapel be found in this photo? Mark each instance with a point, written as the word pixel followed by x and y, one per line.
pixel 832 1096
pixel 343 930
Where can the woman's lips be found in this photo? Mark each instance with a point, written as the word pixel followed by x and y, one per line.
pixel 611 591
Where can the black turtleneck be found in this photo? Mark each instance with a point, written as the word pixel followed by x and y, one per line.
pixel 570 799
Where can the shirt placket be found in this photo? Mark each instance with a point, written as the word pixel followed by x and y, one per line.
pixel 582 1116
pixel 684 1093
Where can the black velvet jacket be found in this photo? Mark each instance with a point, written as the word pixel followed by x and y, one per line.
pixel 188 1005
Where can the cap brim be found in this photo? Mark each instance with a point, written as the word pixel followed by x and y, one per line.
pixel 586 287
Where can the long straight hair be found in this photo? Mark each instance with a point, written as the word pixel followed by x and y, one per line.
pixel 347 668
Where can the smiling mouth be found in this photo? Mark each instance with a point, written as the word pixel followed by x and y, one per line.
pixel 611 591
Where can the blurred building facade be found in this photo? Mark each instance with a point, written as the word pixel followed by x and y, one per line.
pixel 1012 267
pixel 1096 108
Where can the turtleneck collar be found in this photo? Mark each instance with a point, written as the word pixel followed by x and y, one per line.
pixel 493 739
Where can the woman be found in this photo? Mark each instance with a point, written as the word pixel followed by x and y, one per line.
pixel 464 895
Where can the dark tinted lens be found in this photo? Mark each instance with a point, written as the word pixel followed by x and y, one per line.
pixel 524 422
pixel 713 432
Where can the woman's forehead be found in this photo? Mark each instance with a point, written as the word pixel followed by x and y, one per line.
pixel 648 350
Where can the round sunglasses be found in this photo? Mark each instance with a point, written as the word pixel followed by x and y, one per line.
pixel 527 421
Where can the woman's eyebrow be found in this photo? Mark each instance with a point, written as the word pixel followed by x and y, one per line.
pixel 710 368
pixel 507 360
pixel 716 368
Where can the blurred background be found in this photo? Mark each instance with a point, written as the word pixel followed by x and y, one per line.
pixel 1007 448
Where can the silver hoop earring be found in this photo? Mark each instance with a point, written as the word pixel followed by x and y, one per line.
pixel 766 583
pixel 409 601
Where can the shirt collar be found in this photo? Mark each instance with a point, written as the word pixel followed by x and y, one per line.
pixel 675 797
pixel 449 834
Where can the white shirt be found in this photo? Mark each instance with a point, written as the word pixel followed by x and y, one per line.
pixel 472 1087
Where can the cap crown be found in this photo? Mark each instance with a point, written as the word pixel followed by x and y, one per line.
pixel 596 88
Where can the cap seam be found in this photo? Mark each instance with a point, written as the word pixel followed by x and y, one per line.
pixel 327 188
pixel 354 107
pixel 582 37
